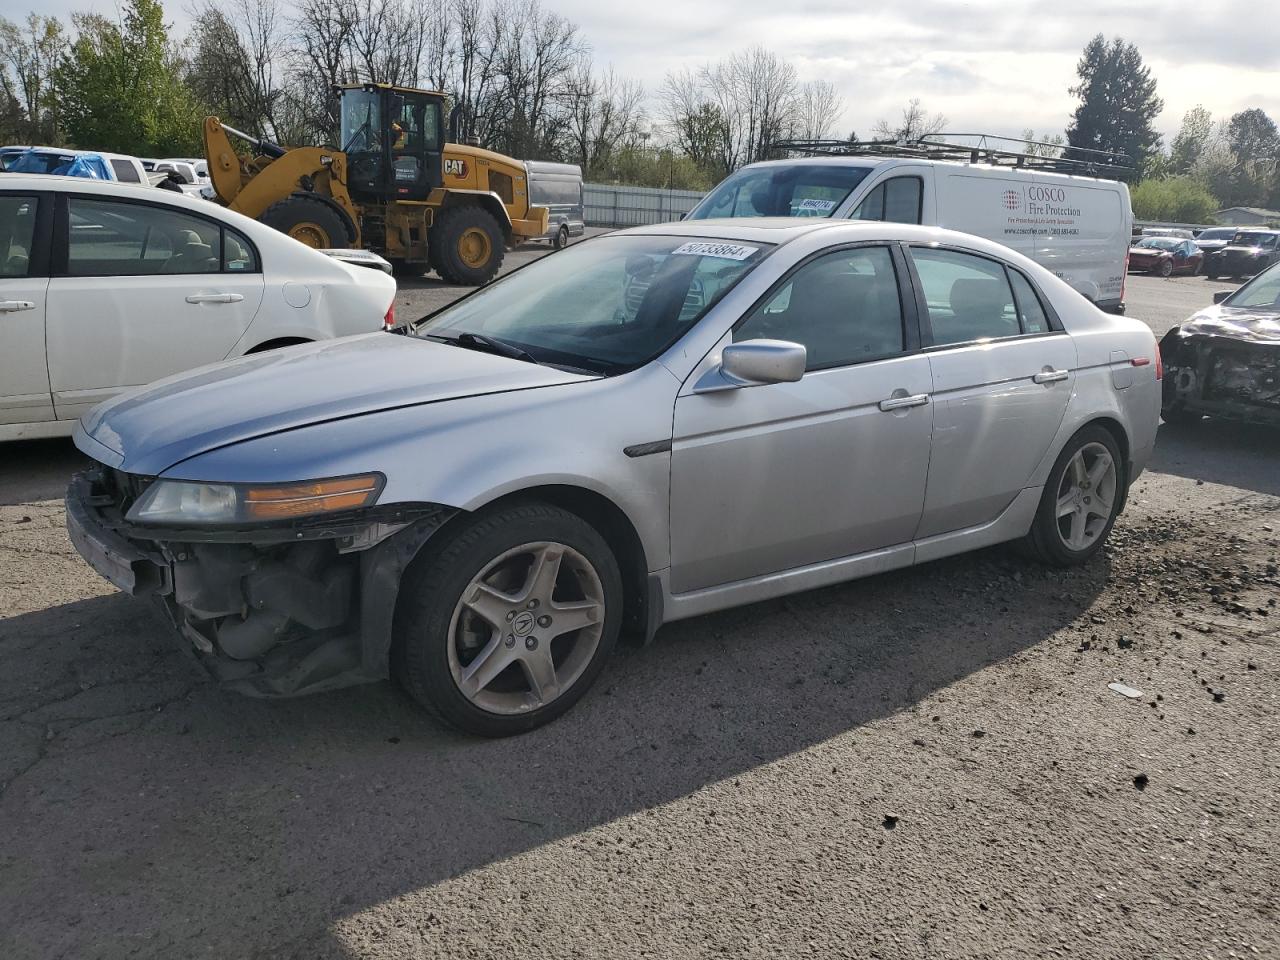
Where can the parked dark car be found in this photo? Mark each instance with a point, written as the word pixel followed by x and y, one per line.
pixel 1225 360
pixel 1165 256
pixel 1248 254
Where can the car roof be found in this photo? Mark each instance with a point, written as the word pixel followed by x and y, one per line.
pixel 782 230
pixel 982 168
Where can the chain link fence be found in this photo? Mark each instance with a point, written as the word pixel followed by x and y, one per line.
pixel 613 206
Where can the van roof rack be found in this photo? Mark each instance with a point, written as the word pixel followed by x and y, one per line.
pixel 1011 152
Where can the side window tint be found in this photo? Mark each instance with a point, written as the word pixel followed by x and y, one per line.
pixel 133 239
pixel 1030 309
pixel 843 307
pixel 17 231
pixel 902 200
pixel 124 171
pixel 968 297
pixel 238 252
pixel 872 206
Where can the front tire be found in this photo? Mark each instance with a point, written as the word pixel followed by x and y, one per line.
pixel 1165 269
pixel 311 222
pixel 504 626
pixel 1081 499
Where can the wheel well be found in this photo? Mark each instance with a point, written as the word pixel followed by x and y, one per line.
pixel 273 344
pixel 490 204
pixel 612 524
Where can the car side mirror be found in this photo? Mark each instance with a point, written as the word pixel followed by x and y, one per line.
pixel 1221 295
pixel 753 363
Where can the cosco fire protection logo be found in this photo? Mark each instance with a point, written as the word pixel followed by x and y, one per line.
pixel 455 168
pixel 1012 200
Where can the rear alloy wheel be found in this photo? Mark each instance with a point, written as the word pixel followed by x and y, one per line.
pixel 508 624
pixel 562 238
pixel 1165 269
pixel 1081 499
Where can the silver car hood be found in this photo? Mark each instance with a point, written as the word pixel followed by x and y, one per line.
pixel 148 430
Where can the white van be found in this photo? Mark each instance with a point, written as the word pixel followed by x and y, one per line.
pixel 1079 227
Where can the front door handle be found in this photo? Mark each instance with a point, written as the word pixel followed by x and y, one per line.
pixel 214 298
pixel 13 306
pixel 1050 376
pixel 899 403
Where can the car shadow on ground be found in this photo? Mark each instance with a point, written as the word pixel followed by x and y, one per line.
pixel 1219 451
pixel 149 810
pixel 37 470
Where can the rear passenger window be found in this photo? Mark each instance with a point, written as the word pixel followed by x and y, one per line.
pixel 238 253
pixel 1030 309
pixel 125 171
pixel 107 238
pixel 844 307
pixel 17 231
pixel 968 297
pixel 894 201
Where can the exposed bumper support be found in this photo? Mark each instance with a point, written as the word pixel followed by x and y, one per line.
pixel 276 611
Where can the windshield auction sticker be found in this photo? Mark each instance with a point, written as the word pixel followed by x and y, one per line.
pixel 814 203
pixel 725 251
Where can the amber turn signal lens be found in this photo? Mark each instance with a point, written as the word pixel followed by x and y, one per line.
pixel 318 496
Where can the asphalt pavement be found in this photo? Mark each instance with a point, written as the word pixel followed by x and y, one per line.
pixel 924 764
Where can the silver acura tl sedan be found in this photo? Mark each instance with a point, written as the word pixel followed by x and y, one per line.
pixel 652 425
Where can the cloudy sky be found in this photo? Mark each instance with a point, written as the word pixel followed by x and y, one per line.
pixel 995 66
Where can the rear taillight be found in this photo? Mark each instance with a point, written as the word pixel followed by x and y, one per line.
pixel 389 321
pixel 1159 364
pixel 1124 276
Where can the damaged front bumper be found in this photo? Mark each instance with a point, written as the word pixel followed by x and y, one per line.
pixel 1222 376
pixel 271 610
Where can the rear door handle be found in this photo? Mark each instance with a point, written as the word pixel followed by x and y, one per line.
pixel 1050 376
pixel 214 298
pixel 899 403
pixel 13 306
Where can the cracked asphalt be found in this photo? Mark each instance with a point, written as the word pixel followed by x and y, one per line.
pixel 925 764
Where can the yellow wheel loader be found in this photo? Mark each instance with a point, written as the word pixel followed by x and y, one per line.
pixel 396 187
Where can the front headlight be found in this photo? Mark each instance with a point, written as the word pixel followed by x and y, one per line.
pixel 199 504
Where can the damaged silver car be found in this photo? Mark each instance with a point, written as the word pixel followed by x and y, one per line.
pixel 1225 360
pixel 649 426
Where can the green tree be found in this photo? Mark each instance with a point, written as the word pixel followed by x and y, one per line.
pixel 29 52
pixel 1174 200
pixel 121 85
pixel 1118 102
pixel 1193 139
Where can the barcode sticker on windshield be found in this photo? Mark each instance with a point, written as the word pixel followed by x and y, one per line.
pixel 813 203
pixel 725 251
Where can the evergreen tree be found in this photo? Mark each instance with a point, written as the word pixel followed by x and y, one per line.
pixel 122 88
pixel 1118 102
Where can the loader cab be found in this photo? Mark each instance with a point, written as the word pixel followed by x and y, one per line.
pixel 394 141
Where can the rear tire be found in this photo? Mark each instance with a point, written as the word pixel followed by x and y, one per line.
pixel 1165 269
pixel 452 652
pixel 562 239
pixel 1068 539
pixel 468 245
pixel 311 222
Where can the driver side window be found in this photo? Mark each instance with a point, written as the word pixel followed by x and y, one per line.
pixel 843 307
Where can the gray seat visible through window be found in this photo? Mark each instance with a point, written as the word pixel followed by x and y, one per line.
pixel 981 308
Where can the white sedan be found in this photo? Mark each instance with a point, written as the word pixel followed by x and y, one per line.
pixel 105 286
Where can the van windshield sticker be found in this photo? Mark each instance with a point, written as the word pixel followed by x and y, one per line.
pixel 813 203
pixel 725 251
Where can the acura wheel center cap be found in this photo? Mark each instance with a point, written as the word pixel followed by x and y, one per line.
pixel 522 625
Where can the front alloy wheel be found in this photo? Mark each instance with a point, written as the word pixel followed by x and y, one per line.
pixel 508 620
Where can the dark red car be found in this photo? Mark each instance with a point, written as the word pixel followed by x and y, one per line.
pixel 1165 256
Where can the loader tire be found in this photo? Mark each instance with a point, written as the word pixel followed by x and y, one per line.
pixel 310 222
pixel 468 246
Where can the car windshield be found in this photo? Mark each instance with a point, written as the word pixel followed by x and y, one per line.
pixel 1252 240
pixel 1260 293
pixel 1222 233
pixel 606 306
pixel 1160 243
pixel 800 190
